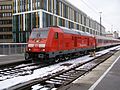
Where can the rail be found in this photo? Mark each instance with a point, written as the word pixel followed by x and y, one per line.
pixel 12 48
pixel 64 77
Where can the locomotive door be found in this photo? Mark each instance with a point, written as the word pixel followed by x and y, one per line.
pixel 60 42
pixel 75 42
pixel 88 41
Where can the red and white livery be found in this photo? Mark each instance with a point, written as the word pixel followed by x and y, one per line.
pixel 55 42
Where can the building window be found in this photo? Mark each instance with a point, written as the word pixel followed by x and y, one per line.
pixel 84 20
pixel 87 30
pixel 71 25
pixel 77 26
pixel 0 7
pixel 81 19
pixel 44 4
pixel 50 5
pixel 33 20
pixel 90 31
pixel 65 11
pixel 1 15
pixel 51 20
pixel 47 20
pixel 75 16
pixel 38 4
pixel 34 4
pixel 29 5
pixel 60 8
pixel 28 22
pixel 1 36
pixel 45 23
pixel 4 22
pixel 83 28
pixel 14 6
pixel 60 21
pixel 66 24
pixel 57 7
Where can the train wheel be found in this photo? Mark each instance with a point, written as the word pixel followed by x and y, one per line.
pixel 51 60
pixel 66 58
pixel 27 56
pixel 57 59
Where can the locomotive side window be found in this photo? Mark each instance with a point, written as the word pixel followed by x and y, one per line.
pixel 56 35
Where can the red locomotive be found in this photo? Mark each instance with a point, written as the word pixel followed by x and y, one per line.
pixel 54 43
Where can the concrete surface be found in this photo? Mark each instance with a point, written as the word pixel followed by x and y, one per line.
pixel 11 58
pixel 111 80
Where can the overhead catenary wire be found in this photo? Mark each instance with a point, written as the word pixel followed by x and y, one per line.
pixel 94 9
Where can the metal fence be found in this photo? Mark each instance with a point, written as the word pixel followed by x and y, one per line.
pixel 12 48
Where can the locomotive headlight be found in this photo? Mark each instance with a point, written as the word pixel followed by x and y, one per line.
pixel 43 49
pixel 30 45
pixel 42 45
pixel 29 49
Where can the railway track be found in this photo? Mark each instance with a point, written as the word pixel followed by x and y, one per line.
pixel 20 70
pixel 12 70
pixel 63 77
pixel 13 64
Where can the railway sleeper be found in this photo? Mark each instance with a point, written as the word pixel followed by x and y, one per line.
pixel 65 79
pixel 81 69
pixel 53 84
pixel 56 80
pixel 63 76
pixel 38 87
pixel 60 78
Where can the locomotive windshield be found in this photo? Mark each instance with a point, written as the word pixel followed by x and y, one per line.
pixel 39 34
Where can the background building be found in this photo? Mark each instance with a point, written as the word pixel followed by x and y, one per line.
pixel 114 34
pixel 30 14
pixel 6 21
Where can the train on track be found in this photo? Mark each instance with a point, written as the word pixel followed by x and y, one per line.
pixel 55 43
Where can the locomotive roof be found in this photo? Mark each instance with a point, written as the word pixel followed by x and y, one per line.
pixel 106 38
pixel 41 28
pixel 66 30
pixel 83 33
pixel 74 31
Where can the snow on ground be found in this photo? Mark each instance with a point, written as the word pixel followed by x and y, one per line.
pixel 2 55
pixel 48 70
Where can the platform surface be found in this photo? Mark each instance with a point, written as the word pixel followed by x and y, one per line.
pixel 11 58
pixel 110 81
pixel 106 76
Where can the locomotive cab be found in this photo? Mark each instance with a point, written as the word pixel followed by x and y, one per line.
pixel 37 43
pixel 44 43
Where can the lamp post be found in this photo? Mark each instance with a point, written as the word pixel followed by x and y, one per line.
pixel 100 23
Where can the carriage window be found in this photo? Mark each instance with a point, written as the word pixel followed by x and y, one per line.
pixel 56 35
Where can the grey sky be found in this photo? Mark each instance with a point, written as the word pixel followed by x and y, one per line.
pixel 110 11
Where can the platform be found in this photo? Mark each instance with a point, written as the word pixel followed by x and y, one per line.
pixel 11 58
pixel 106 76
pixel 110 80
